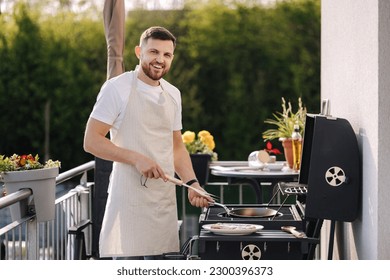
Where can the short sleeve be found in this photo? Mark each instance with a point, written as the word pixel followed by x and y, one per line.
pixel 111 101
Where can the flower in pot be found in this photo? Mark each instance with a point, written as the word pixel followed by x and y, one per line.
pixel 24 162
pixel 284 126
pixel 272 151
pixel 201 149
pixel 202 144
pixel 26 172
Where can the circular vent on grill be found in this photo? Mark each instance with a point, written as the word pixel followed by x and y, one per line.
pixel 251 252
pixel 335 176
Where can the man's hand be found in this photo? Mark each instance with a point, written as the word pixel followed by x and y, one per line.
pixel 149 168
pixel 198 200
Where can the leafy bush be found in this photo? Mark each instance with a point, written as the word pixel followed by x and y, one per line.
pixel 233 63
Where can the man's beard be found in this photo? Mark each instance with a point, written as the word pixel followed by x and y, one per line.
pixel 146 68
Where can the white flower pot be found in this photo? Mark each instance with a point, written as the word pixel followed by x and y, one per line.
pixel 42 182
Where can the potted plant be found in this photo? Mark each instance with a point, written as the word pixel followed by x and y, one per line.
pixel 284 122
pixel 272 151
pixel 201 149
pixel 26 172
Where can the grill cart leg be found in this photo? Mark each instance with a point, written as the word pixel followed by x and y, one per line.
pixel 314 231
pixel 331 239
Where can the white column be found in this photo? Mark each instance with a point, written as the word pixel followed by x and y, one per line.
pixel 355 71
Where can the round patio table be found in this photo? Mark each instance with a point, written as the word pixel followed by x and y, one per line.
pixel 239 172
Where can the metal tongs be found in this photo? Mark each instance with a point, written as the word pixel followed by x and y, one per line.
pixel 181 183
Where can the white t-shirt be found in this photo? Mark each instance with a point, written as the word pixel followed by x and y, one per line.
pixel 114 95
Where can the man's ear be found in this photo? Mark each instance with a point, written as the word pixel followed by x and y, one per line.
pixel 137 51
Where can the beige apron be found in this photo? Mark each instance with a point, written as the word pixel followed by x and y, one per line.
pixel 142 221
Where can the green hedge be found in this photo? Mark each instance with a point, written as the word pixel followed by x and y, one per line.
pixel 232 63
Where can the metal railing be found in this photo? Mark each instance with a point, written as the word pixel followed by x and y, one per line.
pixel 63 238
pixel 69 235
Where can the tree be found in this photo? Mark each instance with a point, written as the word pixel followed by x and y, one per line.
pixel 233 63
pixel 246 58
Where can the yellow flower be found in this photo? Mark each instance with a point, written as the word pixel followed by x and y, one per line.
pixel 203 144
pixel 208 140
pixel 203 133
pixel 188 137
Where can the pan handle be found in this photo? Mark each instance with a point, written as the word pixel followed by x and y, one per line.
pixel 227 210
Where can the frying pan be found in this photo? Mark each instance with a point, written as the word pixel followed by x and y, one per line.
pixel 250 212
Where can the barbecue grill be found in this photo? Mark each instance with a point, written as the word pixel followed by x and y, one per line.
pixel 328 188
pixel 269 243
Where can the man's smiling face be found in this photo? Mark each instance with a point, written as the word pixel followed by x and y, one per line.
pixel 155 59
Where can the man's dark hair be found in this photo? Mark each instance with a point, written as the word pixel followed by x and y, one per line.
pixel 157 32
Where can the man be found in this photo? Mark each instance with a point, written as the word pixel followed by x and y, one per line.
pixel 142 112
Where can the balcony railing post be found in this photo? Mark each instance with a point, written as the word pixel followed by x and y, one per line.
pixel 85 202
pixel 32 240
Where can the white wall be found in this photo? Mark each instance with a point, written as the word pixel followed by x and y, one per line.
pixel 355 77
pixel 384 131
